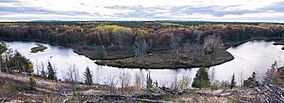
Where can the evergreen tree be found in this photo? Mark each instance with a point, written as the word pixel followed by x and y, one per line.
pixel 251 81
pixel 149 82
pixel 88 76
pixel 43 74
pixel 201 79
pixel 233 82
pixel 51 73
pixel 21 63
pixel 32 83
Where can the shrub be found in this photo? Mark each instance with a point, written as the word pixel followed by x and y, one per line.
pixel 32 84
pixel 251 81
pixel 215 85
pixel 8 89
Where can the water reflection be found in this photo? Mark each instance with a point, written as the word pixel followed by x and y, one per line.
pixel 251 56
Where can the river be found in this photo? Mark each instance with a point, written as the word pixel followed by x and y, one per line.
pixel 251 56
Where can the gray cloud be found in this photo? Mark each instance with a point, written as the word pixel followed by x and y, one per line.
pixel 155 12
pixel 139 11
pixel 275 7
pixel 35 10
pixel 9 1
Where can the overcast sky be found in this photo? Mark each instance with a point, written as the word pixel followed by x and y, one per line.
pixel 186 10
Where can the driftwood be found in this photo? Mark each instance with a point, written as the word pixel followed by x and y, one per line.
pixel 265 94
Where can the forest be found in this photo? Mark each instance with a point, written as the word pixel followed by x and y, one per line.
pixel 155 45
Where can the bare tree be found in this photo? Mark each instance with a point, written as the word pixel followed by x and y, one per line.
pixel 72 77
pixel 140 47
pixel 7 55
pixel 125 80
pixel 175 44
pixel 211 45
pixel 241 75
pixel 212 75
pixel 195 51
pixel 138 81
pixel 197 34
pixel 111 82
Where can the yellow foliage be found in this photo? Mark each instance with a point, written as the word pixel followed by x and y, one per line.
pixel 113 28
pixel 169 24
pixel 141 33
pixel 30 66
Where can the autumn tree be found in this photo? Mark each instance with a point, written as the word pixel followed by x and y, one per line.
pixel 273 75
pixel 88 76
pixel 21 63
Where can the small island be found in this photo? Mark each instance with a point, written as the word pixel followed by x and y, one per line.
pixel 38 48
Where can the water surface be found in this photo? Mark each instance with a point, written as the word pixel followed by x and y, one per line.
pixel 252 56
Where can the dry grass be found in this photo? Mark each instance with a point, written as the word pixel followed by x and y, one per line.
pixel 164 60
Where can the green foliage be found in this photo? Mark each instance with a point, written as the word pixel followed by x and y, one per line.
pixel 43 73
pixel 16 61
pixel 251 81
pixel 21 63
pixel 215 85
pixel 201 79
pixel 183 84
pixel 100 52
pixel 8 89
pixel 149 82
pixel 150 85
pixel 32 84
pixel 77 91
pixel 170 24
pixel 233 82
pixel 112 28
pixel 224 84
pixel 88 77
pixel 3 47
pixel 51 73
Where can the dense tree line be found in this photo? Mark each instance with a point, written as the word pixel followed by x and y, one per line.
pixel 119 36
pixel 139 37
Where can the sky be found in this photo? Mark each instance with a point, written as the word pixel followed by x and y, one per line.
pixel 143 10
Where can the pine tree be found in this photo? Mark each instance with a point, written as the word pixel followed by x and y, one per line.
pixel 201 79
pixel 251 81
pixel 88 76
pixel 32 83
pixel 233 82
pixel 149 82
pixel 51 73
